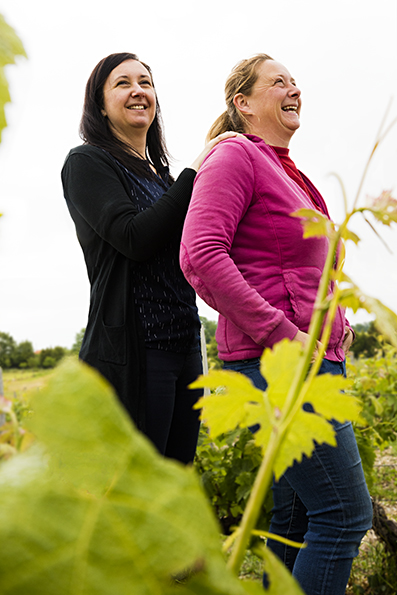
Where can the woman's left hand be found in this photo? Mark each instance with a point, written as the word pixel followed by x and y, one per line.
pixel 209 146
pixel 348 340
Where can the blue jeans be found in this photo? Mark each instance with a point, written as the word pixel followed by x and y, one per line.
pixel 322 501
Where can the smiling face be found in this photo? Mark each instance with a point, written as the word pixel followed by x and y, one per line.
pixel 130 103
pixel 273 107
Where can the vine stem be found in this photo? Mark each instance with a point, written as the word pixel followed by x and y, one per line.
pixel 251 513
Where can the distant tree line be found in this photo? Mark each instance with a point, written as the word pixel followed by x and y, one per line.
pixel 21 355
pixel 368 340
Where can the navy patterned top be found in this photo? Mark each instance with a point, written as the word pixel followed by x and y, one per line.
pixel 165 301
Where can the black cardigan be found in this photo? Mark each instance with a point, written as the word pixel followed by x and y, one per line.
pixel 113 234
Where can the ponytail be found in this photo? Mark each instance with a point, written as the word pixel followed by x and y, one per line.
pixel 241 80
pixel 224 123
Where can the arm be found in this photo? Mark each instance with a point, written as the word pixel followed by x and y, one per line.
pixel 223 192
pixel 96 190
pixel 348 338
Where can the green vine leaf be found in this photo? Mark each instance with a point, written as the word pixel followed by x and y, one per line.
pixel 142 521
pixel 10 47
pixel 328 399
pixel 314 223
pixel 225 411
pixel 303 432
pixel 280 579
pixel 352 297
pixel 384 208
pixel 386 319
pixel 350 235
pixel 241 403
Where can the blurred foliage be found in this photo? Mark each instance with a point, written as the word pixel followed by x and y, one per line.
pixel 7 347
pixel 367 341
pixel 209 328
pixel 13 435
pixel 10 47
pixel 214 363
pixel 228 465
pixel 78 341
pixel 374 382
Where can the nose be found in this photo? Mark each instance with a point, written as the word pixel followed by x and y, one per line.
pixel 136 89
pixel 294 91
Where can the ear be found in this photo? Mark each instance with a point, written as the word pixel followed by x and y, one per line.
pixel 242 104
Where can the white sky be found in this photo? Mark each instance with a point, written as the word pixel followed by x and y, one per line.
pixel 343 55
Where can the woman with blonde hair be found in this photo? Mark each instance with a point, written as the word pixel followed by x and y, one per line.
pixel 247 258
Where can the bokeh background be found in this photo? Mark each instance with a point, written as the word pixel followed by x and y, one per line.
pixel 343 55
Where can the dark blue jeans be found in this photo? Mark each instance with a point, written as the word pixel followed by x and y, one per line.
pixel 171 422
pixel 322 501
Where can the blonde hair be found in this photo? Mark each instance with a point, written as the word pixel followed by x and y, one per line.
pixel 241 80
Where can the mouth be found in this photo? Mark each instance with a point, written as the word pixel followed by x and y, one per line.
pixel 137 107
pixel 290 108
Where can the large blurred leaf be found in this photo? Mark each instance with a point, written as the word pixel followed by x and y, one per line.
pixel 85 429
pixel 10 46
pixel 241 403
pixel 97 510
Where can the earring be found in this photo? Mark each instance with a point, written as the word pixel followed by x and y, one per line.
pixel 103 113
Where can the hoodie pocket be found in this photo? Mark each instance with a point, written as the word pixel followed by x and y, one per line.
pixel 302 286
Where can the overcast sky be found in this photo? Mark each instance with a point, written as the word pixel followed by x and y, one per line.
pixel 341 53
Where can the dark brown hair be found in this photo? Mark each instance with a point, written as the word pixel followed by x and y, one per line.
pixel 241 80
pixel 95 128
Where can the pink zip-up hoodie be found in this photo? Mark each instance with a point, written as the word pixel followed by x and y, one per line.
pixel 246 256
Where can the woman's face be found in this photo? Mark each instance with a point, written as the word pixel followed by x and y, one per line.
pixel 129 100
pixel 273 107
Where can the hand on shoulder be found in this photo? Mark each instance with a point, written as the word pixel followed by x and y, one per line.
pixel 210 145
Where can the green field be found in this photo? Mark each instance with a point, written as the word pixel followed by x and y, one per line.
pixel 18 383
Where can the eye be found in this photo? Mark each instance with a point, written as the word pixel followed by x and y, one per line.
pixel 122 83
pixel 146 82
pixel 279 81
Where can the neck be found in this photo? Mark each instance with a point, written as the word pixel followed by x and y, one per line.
pixel 270 137
pixel 137 142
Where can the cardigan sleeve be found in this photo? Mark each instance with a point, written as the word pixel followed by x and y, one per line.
pixel 95 188
pixel 223 191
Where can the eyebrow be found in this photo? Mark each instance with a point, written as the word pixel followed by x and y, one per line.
pixel 284 77
pixel 125 76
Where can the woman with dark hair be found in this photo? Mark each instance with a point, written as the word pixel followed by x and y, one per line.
pixel 143 327
pixel 247 258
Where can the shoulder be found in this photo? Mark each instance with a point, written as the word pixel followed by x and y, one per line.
pixel 227 154
pixel 247 148
pixel 88 165
pixel 95 153
pixel 90 159
pixel 239 156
